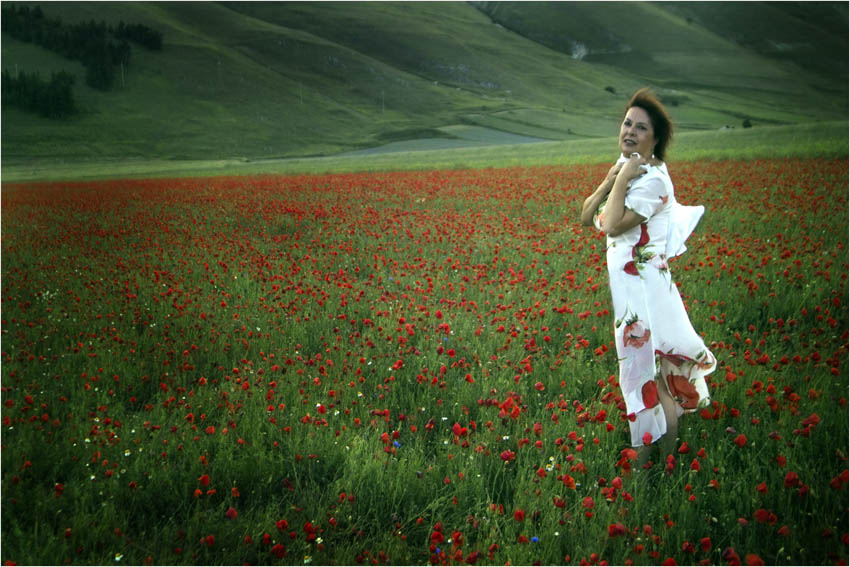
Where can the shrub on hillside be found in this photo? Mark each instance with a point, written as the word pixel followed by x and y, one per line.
pixel 143 35
pixel 88 42
pixel 28 91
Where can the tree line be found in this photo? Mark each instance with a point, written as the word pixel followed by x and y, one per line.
pixel 51 99
pixel 89 42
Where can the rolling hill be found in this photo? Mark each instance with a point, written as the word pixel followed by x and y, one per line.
pixel 265 80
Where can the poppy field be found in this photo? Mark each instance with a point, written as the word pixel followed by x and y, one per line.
pixel 412 368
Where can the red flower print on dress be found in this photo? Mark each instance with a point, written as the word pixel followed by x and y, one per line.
pixel 643 240
pixel 680 387
pixel 640 254
pixel 649 393
pixel 631 269
pixel 635 334
pixel 705 360
pixel 677 359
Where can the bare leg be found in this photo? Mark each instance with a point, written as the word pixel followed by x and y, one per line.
pixel 667 443
pixel 644 453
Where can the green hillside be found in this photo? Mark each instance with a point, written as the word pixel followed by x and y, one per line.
pixel 258 80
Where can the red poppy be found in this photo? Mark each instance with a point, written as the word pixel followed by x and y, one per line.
pixel 458 430
pixel 791 479
pixel 730 556
pixel 279 551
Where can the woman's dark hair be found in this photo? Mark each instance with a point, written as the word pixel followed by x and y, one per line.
pixel 662 124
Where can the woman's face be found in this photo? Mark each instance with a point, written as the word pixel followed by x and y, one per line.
pixel 636 133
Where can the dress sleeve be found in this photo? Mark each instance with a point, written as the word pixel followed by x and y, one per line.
pixel 683 220
pixel 645 196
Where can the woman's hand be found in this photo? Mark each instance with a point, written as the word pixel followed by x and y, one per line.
pixel 632 169
pixel 612 173
pixel 618 219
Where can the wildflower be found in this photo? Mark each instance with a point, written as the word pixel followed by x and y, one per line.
pixel 278 551
pixel 730 556
pixel 791 479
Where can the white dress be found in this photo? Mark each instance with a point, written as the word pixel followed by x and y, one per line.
pixel 653 334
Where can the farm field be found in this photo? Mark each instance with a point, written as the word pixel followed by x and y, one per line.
pixel 412 367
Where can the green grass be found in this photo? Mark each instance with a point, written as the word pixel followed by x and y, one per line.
pixel 286 80
pixel 120 296
pixel 826 139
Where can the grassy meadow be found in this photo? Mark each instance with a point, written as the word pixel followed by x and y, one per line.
pixel 412 367
pixel 827 139
pixel 309 287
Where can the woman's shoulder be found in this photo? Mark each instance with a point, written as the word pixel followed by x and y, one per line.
pixel 656 175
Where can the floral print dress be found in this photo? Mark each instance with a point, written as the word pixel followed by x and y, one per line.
pixel 653 334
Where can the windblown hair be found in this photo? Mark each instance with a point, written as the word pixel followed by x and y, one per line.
pixel 662 124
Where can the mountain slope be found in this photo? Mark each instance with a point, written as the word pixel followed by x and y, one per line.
pixel 276 79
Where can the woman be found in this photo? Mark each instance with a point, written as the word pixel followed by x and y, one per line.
pixel 663 361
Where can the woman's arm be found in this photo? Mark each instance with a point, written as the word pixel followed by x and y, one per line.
pixel 591 204
pixel 617 218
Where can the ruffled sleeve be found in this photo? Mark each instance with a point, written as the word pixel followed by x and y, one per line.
pixel 646 195
pixel 683 220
